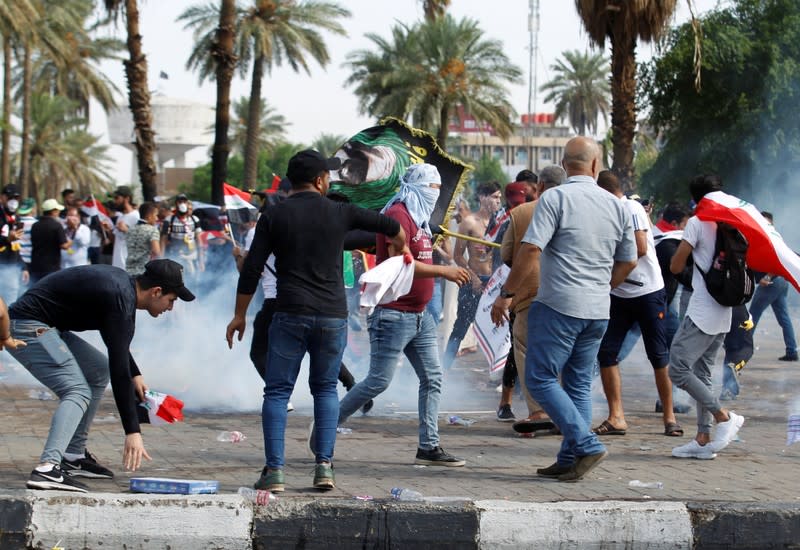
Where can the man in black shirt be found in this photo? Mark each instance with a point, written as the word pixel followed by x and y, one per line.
pixel 306 234
pixel 48 239
pixel 92 297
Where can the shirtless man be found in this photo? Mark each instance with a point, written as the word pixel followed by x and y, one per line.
pixel 478 262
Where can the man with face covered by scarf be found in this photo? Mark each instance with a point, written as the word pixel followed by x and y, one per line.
pixel 405 326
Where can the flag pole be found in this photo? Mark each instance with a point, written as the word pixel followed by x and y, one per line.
pixel 449 233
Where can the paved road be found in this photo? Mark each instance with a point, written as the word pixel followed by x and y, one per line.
pixel 379 452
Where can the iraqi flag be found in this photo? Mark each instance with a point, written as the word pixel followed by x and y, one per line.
pixel 160 408
pixel 767 252
pixel 237 203
pixel 93 207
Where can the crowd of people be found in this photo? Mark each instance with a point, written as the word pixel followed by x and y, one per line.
pixel 589 274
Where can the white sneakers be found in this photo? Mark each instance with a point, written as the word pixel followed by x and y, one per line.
pixel 724 434
pixel 726 431
pixel 694 450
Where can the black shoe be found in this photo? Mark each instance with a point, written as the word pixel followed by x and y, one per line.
pixel 437 457
pixel 504 414
pixel 583 465
pixel 367 406
pixel 553 471
pixel 86 467
pixel 788 357
pixel 55 479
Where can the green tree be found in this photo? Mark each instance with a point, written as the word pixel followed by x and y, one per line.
pixel 623 23
pixel 328 144
pixel 138 94
pixel 14 17
pixel 58 20
pixel 425 71
pixel 63 154
pixel 279 31
pixel 743 124
pixel 214 54
pixel 271 125
pixel 487 169
pixel 580 90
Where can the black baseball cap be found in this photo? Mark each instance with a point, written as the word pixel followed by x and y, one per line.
pixel 168 275
pixel 11 190
pixel 123 191
pixel 307 165
pixel 181 197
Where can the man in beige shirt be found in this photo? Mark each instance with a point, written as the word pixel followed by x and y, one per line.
pixel 550 176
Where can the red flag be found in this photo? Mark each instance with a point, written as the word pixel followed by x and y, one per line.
pixel 767 251
pixel 237 203
pixel 93 207
pixel 276 181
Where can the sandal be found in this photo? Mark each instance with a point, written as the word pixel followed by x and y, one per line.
pixel 673 429
pixel 607 428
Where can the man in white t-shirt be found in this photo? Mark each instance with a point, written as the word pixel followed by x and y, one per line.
pixel 123 202
pixel 641 300
pixel 701 334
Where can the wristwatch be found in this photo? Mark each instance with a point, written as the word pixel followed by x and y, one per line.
pixel 505 294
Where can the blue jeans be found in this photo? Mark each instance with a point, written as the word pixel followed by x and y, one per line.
pixel 392 333
pixel 560 344
pixel 468 300
pixel 10 281
pixel 74 370
pixel 290 337
pixel 434 307
pixel 775 295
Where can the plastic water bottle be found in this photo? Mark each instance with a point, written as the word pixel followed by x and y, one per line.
pixel 231 437
pixel 458 421
pixel 407 495
pixel 257 496
pixel 646 484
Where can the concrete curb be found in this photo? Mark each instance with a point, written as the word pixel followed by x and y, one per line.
pixel 39 519
pixel 610 524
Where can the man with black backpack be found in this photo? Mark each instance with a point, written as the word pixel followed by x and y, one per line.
pixel 703 330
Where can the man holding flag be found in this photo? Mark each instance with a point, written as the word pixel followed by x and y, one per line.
pixel 46 317
pixel 702 332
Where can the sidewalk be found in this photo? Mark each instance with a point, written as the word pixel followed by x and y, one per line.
pixel 755 477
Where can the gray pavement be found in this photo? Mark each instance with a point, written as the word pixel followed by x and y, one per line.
pixel 379 453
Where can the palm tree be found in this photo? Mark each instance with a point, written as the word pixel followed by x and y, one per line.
pixel 77 76
pixel 580 89
pixel 63 153
pixel 223 54
pixel 424 72
pixel 328 144
pixel 138 94
pixel 435 9
pixel 272 126
pixel 274 31
pixel 216 41
pixel 624 22
pixel 14 17
pixel 59 19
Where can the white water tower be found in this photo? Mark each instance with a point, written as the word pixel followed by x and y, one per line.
pixel 180 125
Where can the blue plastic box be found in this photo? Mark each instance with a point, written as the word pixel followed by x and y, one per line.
pixel 173 486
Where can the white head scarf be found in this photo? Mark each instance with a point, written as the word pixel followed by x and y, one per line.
pixel 417 194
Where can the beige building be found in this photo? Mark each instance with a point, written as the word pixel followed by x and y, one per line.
pixel 518 152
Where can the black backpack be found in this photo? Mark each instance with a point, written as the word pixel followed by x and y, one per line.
pixel 729 281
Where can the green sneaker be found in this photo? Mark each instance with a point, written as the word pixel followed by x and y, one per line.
pixel 270 480
pixel 323 477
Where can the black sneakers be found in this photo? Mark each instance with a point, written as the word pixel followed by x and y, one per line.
pixel 788 357
pixel 504 414
pixel 55 479
pixel 437 457
pixel 86 467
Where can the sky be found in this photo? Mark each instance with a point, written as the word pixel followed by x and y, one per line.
pixel 320 102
